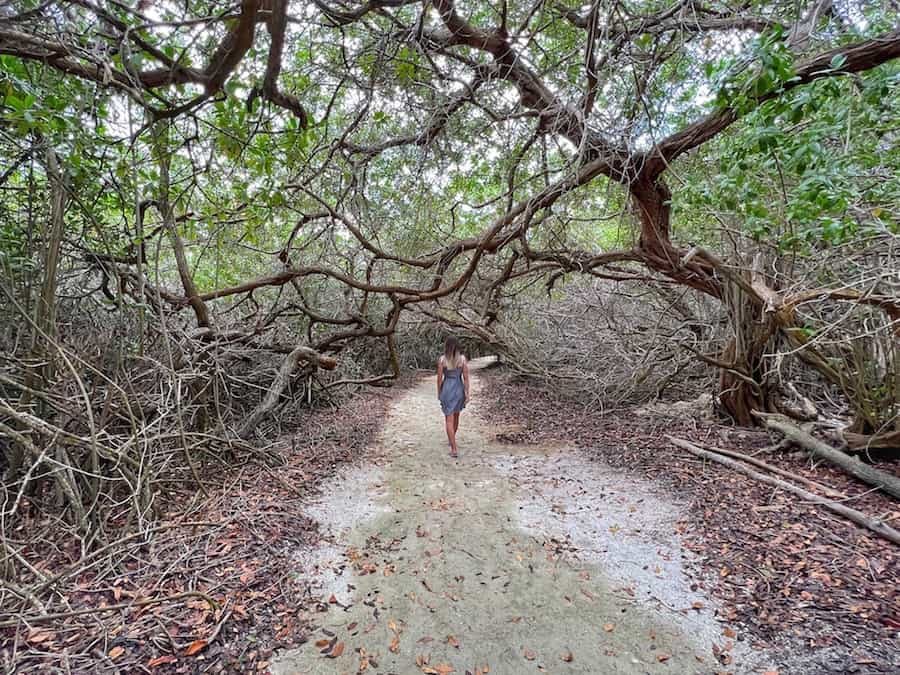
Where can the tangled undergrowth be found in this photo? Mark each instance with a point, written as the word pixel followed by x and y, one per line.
pixel 204 582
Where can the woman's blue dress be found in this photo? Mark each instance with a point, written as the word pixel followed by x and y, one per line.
pixel 453 392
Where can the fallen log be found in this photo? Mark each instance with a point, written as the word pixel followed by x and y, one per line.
pixel 830 491
pixel 863 442
pixel 852 465
pixel 858 517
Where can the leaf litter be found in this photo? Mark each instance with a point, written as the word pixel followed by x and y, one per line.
pixel 793 579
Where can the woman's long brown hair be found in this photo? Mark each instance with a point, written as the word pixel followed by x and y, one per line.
pixel 451 352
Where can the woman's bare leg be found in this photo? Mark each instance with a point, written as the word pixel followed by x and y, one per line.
pixel 455 422
pixel 451 433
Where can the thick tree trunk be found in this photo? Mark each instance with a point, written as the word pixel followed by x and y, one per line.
pixel 742 384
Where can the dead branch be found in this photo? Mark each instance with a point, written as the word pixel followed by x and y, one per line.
pixel 873 524
pixel 280 383
pixel 852 465
pixel 831 492
pixel 108 608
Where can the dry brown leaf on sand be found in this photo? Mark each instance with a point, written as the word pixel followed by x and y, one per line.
pixel 337 651
pixel 452 641
pixel 530 655
pixel 440 669
pixel 567 656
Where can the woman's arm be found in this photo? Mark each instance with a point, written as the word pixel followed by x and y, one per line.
pixel 440 375
pixel 465 367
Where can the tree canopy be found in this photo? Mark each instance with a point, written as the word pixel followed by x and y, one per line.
pixel 304 179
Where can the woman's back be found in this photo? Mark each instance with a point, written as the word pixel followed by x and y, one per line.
pixel 453 369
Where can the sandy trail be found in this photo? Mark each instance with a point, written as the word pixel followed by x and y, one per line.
pixel 511 558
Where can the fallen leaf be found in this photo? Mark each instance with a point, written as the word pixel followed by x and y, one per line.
pixel 698 604
pixel 322 643
pixel 337 651
pixel 440 669
pixel 530 655
pixel 116 652
pixel 422 660
pixel 452 641
pixel 662 658
pixel 609 627
pixel 196 646
pixel 729 632
pixel 567 657
pixel 161 661
pixel 395 645
pixel 37 636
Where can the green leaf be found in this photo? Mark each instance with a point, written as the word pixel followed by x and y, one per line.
pixel 838 61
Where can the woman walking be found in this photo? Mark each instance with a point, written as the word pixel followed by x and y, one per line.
pixel 453 388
